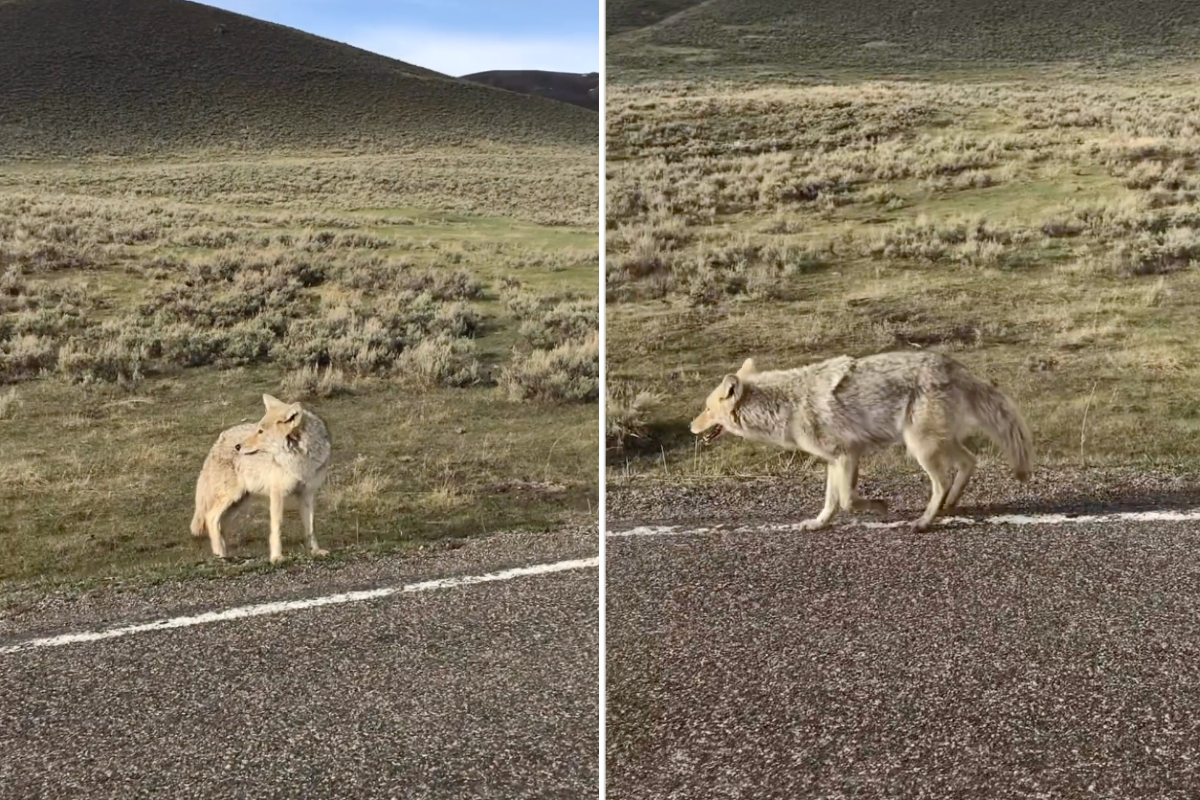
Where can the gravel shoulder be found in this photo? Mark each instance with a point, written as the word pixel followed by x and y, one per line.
pixel 645 500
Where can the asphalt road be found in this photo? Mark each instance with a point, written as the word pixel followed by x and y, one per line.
pixel 990 660
pixel 484 690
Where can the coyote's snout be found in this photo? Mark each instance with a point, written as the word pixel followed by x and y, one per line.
pixel 842 408
pixel 282 458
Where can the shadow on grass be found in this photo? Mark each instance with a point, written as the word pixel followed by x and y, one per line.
pixel 655 439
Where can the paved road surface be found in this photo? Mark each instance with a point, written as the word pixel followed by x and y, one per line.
pixel 477 690
pixel 1028 658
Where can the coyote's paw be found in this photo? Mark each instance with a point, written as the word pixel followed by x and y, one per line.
pixel 813 524
pixel 920 525
pixel 319 553
pixel 277 559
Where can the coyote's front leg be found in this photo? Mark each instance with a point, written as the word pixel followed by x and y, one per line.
pixel 831 500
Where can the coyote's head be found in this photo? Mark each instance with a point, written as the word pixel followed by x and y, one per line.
pixel 281 426
pixel 719 407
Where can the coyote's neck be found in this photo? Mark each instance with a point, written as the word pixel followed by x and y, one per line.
pixel 764 414
pixel 307 450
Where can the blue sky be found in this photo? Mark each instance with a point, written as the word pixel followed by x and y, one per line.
pixel 456 37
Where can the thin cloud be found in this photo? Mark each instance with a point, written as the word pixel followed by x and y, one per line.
pixel 465 53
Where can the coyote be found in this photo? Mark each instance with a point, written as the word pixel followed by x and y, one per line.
pixel 283 457
pixel 842 408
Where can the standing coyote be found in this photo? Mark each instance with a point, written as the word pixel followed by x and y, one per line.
pixel 842 408
pixel 283 457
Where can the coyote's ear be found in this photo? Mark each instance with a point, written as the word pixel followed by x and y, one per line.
pixel 293 412
pixel 272 403
pixel 747 368
pixel 731 385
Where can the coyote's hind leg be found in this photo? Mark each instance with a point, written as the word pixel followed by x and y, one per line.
pixel 307 501
pixel 217 515
pixel 932 460
pixel 964 462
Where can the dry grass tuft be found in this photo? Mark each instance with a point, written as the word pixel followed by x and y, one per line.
pixel 10 403
pixel 568 373
pixel 628 411
pixel 311 381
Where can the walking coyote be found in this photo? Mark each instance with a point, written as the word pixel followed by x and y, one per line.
pixel 283 458
pixel 842 408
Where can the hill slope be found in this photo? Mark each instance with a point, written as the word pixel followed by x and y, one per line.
pixel 904 34
pixel 626 15
pixel 126 76
pixel 566 87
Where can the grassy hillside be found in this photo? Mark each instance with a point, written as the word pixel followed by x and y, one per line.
pixel 1041 224
pixel 915 36
pixel 204 215
pixel 622 16
pixel 565 87
pixel 136 76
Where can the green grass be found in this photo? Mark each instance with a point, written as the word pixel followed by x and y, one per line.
pixel 147 305
pixel 99 481
pixel 1044 232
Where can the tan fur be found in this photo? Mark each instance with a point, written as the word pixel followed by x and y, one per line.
pixel 283 458
pixel 844 407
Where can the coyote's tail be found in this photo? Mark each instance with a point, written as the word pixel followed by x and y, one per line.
pixel 1000 420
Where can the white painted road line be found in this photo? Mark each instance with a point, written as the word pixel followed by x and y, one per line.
pixel 1002 519
pixel 282 607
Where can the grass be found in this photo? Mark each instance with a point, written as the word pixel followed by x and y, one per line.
pixel 695 39
pixel 98 481
pixel 145 305
pixel 627 15
pixel 1044 232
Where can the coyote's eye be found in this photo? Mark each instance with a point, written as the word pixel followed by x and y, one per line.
pixel 260 431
